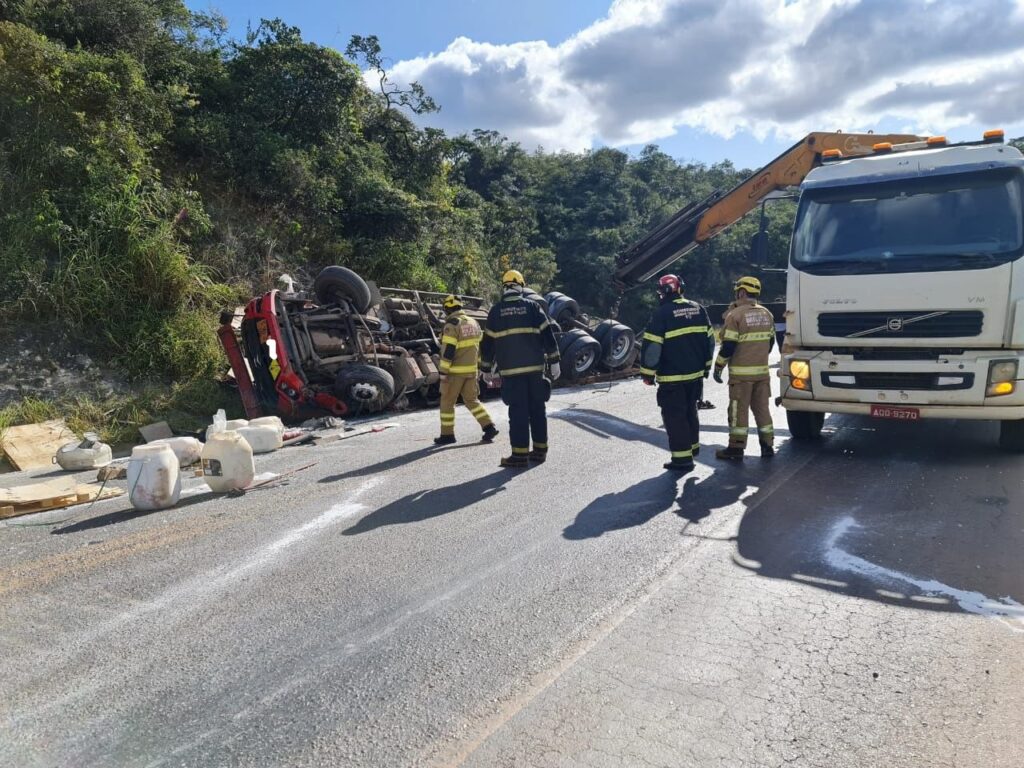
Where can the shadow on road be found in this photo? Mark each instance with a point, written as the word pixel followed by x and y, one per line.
pixel 634 506
pixel 888 512
pixel 113 518
pixel 398 461
pixel 423 505
pixel 607 426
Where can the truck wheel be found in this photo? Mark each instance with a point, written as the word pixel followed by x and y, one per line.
pixel 805 425
pixel 617 345
pixel 531 295
pixel 335 285
pixel 364 388
pixel 563 311
pixel 601 329
pixel 1011 436
pixel 580 357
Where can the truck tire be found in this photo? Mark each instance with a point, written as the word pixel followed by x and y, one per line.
pixel 563 311
pixel 805 425
pixel 364 388
pixel 335 285
pixel 531 295
pixel 617 343
pixel 581 357
pixel 1011 436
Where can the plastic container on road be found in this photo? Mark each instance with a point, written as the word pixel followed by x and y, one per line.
pixel 262 439
pixel 227 462
pixel 188 449
pixel 89 453
pixel 153 478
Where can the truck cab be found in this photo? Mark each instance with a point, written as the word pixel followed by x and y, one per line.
pixel 905 288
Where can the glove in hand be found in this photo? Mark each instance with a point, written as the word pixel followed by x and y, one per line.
pixel 556 371
pixel 718 375
pixel 648 380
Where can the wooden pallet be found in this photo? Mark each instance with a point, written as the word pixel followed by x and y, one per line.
pixel 33 446
pixel 56 494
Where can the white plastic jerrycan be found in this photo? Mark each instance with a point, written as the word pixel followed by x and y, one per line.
pixel 188 449
pixel 153 479
pixel 227 462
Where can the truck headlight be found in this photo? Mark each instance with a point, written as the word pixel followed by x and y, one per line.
pixel 1002 378
pixel 800 374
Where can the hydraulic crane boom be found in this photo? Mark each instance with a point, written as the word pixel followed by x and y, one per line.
pixel 699 222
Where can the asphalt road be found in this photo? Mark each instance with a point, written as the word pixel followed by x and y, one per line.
pixel 856 602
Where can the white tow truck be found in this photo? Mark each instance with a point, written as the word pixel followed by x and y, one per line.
pixel 905 287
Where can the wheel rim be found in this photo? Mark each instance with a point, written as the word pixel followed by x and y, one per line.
pixel 364 392
pixel 584 360
pixel 619 348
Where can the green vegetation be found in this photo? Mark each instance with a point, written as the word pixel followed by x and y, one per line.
pixel 152 171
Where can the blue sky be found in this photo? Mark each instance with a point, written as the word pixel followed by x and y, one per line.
pixel 706 80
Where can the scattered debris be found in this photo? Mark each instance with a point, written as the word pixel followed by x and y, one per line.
pixel 324 422
pixel 89 453
pixel 55 494
pixel 325 439
pixel 33 446
pixel 112 472
pixel 158 431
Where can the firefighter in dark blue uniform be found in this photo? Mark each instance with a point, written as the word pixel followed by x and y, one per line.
pixel 519 340
pixel 678 353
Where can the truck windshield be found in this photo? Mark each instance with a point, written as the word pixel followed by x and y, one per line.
pixel 956 221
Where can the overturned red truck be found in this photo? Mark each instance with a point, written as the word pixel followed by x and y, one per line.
pixel 352 348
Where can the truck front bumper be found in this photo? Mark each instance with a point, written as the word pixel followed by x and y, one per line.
pixel 981 412
pixel 949 386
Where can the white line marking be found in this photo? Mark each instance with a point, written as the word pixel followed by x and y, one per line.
pixel 1008 610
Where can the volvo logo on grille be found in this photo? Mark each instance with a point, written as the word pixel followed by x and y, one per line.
pixel 895 324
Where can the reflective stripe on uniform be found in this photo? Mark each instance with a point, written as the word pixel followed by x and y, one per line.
pixel 541 446
pixel 520 451
pixel 652 337
pixel 770 429
pixel 683 331
pixel 721 362
pixel 527 369
pixel 647 371
pixel 682 454
pixel 738 431
pixel 730 335
pixel 696 446
pixel 680 377
pixel 460 370
pixel 748 370
pixel 756 336
pixel 511 332
pixel 449 340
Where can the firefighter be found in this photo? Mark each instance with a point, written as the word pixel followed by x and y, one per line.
pixel 677 353
pixel 747 339
pixel 518 341
pixel 460 353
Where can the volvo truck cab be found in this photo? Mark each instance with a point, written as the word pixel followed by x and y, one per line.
pixel 905 288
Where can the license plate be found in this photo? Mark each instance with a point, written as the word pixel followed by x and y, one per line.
pixel 895 412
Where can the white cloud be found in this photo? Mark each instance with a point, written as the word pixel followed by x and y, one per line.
pixel 766 67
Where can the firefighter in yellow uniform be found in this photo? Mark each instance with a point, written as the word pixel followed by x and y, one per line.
pixel 747 339
pixel 460 355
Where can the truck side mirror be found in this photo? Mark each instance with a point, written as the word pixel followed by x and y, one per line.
pixel 759 249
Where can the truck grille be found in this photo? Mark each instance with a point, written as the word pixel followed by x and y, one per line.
pixel 903 381
pixel 919 324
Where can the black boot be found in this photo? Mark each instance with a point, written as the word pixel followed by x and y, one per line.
pixel 515 461
pixel 730 453
pixel 490 432
pixel 767 450
pixel 444 440
pixel 679 465
pixel 538 456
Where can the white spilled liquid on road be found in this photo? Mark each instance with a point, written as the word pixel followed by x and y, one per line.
pixel 1007 609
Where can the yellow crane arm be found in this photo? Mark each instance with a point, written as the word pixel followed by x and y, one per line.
pixel 699 222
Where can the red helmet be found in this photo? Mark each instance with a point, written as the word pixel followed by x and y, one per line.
pixel 670 284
